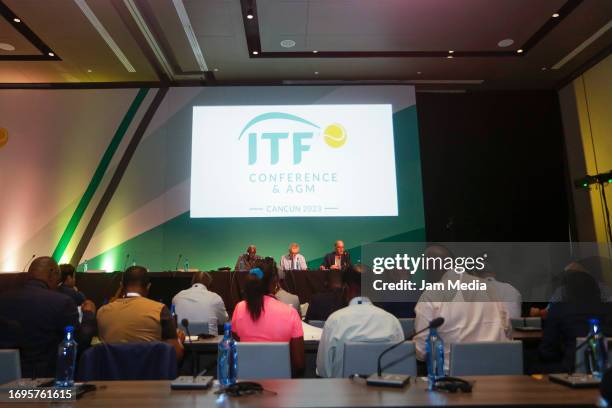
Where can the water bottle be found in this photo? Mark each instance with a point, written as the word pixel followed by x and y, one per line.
pixel 186 265
pixel 173 314
pixel 85 266
pixel 434 349
pixel 596 352
pixel 66 359
pixel 227 358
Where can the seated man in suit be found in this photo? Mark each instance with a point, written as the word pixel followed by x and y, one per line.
pixel 43 313
pixel 134 318
pixel 339 259
pixel 246 261
pixel 67 284
pixel 360 321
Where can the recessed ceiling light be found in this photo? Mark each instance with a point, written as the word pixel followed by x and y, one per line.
pixel 216 69
pixel 418 72
pixel 505 43
pixel 555 15
pixel 17 20
pixel 51 54
pixel 450 56
pixel 89 70
pixel 315 51
pixel 255 52
pixel 543 68
pixel 451 51
pixel 250 15
pixel 316 72
pixel 7 46
pixel 519 51
pixel 287 43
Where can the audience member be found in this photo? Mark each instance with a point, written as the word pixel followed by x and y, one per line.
pixel 134 318
pixel 323 304
pixel 247 260
pixel 338 259
pixel 67 285
pixel 469 316
pixel 360 321
pixel 261 317
pixel 569 319
pixel 199 305
pixel 43 313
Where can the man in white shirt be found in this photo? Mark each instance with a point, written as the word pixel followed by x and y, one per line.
pixel 469 316
pixel 292 261
pixel 506 293
pixel 199 305
pixel 360 321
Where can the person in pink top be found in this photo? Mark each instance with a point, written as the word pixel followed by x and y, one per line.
pixel 261 317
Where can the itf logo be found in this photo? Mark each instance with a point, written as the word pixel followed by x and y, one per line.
pixel 334 136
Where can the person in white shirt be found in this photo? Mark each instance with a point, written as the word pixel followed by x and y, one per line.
pixel 360 321
pixel 469 316
pixel 506 293
pixel 199 305
pixel 292 261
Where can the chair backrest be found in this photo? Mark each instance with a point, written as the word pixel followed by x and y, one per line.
pixel 128 361
pixel 579 363
pixel 10 367
pixel 517 322
pixel 407 326
pixel 486 358
pixel 317 323
pixel 263 360
pixel 533 322
pixel 361 358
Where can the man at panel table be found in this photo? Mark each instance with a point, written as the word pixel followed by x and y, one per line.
pixel 338 259
pixel 292 261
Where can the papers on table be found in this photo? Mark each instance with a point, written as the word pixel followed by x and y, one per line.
pixel 311 332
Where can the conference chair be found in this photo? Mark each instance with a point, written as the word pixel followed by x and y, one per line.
pixel 10 366
pixel 317 323
pixel 153 360
pixel 579 362
pixel 526 322
pixel 407 326
pixel 260 360
pixel 362 358
pixel 486 358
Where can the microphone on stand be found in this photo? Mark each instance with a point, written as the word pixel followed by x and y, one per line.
pixel 127 257
pixel 398 380
pixel 195 381
pixel 28 263
pixel 178 261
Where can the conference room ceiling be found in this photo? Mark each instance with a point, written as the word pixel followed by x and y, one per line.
pixel 303 41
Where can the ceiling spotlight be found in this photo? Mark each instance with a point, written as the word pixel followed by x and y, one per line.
pixel 6 46
pixel 418 72
pixel 250 15
pixel 216 69
pixel 89 71
pixel 505 43
pixel 255 52
pixel 519 51
pixel 316 73
pixel 555 15
pixel 451 51
pixel 450 56
pixel 315 51
pixel 17 20
pixel 543 68
pixel 51 54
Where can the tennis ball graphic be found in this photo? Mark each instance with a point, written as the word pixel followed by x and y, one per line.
pixel 3 137
pixel 334 135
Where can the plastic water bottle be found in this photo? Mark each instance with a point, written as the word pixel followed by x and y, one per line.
pixel 173 315
pixel 227 358
pixel 186 265
pixel 434 349
pixel 596 353
pixel 85 266
pixel 66 359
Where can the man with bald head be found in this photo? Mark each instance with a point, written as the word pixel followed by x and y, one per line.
pixel 43 313
pixel 339 259
pixel 246 261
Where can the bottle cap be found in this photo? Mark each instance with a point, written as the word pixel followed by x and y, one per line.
pixel 594 321
pixel 69 329
pixel 227 326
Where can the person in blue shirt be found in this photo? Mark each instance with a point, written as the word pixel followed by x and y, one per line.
pixel 67 285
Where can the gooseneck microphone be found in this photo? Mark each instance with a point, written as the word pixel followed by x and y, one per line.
pixel 178 261
pixel 28 263
pixel 185 324
pixel 398 380
pixel 127 257
pixel 195 381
